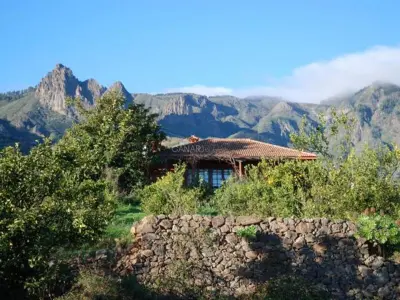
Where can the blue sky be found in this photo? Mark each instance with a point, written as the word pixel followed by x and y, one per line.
pixel 211 46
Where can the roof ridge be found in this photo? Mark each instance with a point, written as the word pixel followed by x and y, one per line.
pixel 217 139
pixel 283 147
pixel 260 142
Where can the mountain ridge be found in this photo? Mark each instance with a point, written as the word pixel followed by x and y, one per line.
pixel 43 111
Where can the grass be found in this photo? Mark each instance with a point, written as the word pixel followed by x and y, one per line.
pixel 249 232
pixel 92 285
pixel 120 225
pixel 207 210
pixel 122 222
pixel 92 282
pixel 117 233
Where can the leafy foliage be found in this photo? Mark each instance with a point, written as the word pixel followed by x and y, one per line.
pixel 92 285
pixel 269 189
pixel 319 139
pixel 321 188
pixel 288 287
pixel 248 232
pixel 61 196
pixel 114 138
pixel 378 229
pixel 169 195
pixel 44 205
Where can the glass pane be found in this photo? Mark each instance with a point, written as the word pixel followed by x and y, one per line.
pixel 227 173
pixel 189 177
pixel 216 178
pixel 203 174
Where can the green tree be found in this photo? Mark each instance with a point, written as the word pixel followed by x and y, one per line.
pixel 60 196
pixel 113 140
pixel 44 205
pixel 330 138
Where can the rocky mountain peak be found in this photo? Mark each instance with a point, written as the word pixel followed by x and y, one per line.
pixel 61 83
pixel 91 90
pixel 119 87
pixel 56 86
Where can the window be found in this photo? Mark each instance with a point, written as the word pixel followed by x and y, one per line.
pixel 219 176
pixel 189 177
pixel 203 175
pixel 215 177
pixel 227 173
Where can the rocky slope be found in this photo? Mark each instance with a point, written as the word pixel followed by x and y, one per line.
pixel 42 111
pixel 61 83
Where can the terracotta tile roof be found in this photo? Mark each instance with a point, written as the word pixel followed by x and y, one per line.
pixel 219 148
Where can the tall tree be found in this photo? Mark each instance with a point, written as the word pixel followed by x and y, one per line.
pixel 114 140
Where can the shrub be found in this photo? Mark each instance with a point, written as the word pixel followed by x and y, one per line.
pixel 169 195
pixel 185 280
pixel 119 138
pixel 321 188
pixel 269 189
pixel 249 232
pixel 378 229
pixel 60 196
pixel 288 287
pixel 92 285
pixel 44 206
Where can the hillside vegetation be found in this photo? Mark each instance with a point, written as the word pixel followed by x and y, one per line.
pixel 64 195
pixel 68 206
pixel 43 111
pixel 79 192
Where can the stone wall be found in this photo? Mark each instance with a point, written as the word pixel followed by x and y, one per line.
pixel 322 251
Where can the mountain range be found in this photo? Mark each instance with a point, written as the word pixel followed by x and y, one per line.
pixel 28 115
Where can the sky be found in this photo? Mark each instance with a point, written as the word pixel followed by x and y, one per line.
pixel 303 51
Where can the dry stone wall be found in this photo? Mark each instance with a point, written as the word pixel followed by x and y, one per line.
pixel 324 252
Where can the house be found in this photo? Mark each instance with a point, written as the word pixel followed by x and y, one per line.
pixel 216 159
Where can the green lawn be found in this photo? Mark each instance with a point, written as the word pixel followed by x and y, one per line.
pixel 122 222
pixel 118 229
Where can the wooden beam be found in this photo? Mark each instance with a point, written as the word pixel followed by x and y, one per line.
pixel 240 169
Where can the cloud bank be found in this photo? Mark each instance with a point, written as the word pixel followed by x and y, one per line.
pixel 322 80
pixel 203 90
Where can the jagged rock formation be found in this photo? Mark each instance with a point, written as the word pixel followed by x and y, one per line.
pixel 43 111
pixel 61 83
pixel 53 88
pixel 120 88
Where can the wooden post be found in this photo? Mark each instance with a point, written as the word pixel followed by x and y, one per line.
pixel 240 169
pixel 193 170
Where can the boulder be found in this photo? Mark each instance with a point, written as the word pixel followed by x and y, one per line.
pixel 146 225
pixel 166 224
pixel 249 220
pixel 218 221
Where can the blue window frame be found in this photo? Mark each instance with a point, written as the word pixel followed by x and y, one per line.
pixel 214 177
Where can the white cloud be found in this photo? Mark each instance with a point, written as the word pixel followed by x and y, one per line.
pixel 321 80
pixel 202 90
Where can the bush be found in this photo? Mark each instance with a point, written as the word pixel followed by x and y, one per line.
pixel 119 139
pixel 63 195
pixel 169 195
pixel 288 287
pixel 91 285
pixel 269 189
pixel 44 206
pixel 322 188
pixel 378 229
pixel 248 233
